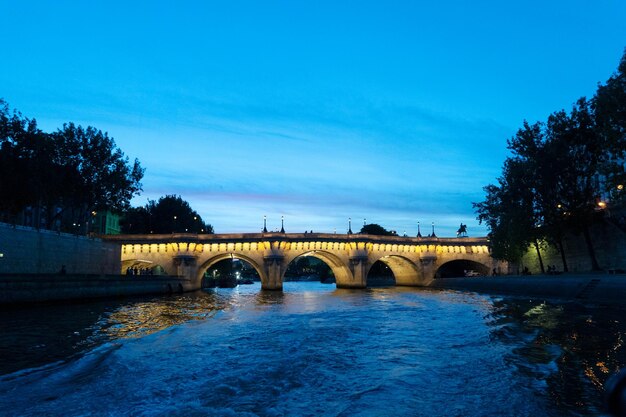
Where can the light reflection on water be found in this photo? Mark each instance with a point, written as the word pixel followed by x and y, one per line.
pixel 570 348
pixel 35 335
pixel 466 354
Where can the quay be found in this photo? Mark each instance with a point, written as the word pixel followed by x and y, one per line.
pixel 23 288
pixel 584 288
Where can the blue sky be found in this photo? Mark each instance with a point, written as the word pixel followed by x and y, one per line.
pixel 394 111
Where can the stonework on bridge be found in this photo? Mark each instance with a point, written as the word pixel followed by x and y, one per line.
pixel 413 261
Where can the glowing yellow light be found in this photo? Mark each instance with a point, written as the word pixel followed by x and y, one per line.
pixel 620 187
pixel 559 206
pixel 603 367
pixel 602 204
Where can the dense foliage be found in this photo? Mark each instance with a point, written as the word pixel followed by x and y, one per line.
pixel 171 214
pixel 376 229
pixel 57 180
pixel 561 175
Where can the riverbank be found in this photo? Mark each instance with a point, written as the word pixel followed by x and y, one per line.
pixel 26 288
pixel 600 289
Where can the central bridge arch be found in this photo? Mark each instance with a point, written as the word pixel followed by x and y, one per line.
pixel 225 256
pixel 340 270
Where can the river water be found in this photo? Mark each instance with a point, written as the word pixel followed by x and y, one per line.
pixel 312 350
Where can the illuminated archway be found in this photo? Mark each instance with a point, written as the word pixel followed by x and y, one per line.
pixel 461 268
pixel 309 268
pixel 142 267
pixel 206 266
pixel 404 271
pixel 339 269
pixel 380 275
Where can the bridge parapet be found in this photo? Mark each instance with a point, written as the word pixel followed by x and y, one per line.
pixel 291 237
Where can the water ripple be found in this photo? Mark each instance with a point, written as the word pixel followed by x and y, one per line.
pixel 317 351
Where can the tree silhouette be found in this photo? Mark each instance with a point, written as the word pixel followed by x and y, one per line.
pixel 171 214
pixel 558 171
pixel 375 229
pixel 61 177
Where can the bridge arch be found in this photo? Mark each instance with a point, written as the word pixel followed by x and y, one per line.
pixel 144 264
pixel 458 268
pixel 224 256
pixel 340 269
pixel 404 270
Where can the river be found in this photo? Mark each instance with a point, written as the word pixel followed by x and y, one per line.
pixel 312 350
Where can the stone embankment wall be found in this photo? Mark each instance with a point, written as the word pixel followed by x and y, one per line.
pixel 31 261
pixel 24 250
pixel 609 242
pixel 22 288
pixel 599 289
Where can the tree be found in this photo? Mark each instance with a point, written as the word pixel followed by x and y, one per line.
pixel 31 174
pixel 375 229
pixel 508 212
pixel 609 108
pixel 550 184
pixel 511 209
pixel 540 166
pixel 137 220
pixel 578 154
pixel 65 175
pixel 105 179
pixel 171 214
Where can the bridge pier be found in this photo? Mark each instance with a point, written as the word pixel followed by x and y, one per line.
pixel 358 273
pixel 186 266
pixel 274 270
pixel 428 264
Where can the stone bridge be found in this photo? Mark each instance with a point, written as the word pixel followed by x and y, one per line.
pixel 413 261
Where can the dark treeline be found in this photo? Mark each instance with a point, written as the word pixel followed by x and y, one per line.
pixel 563 175
pixel 61 180
pixel 376 229
pixel 58 180
pixel 171 214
